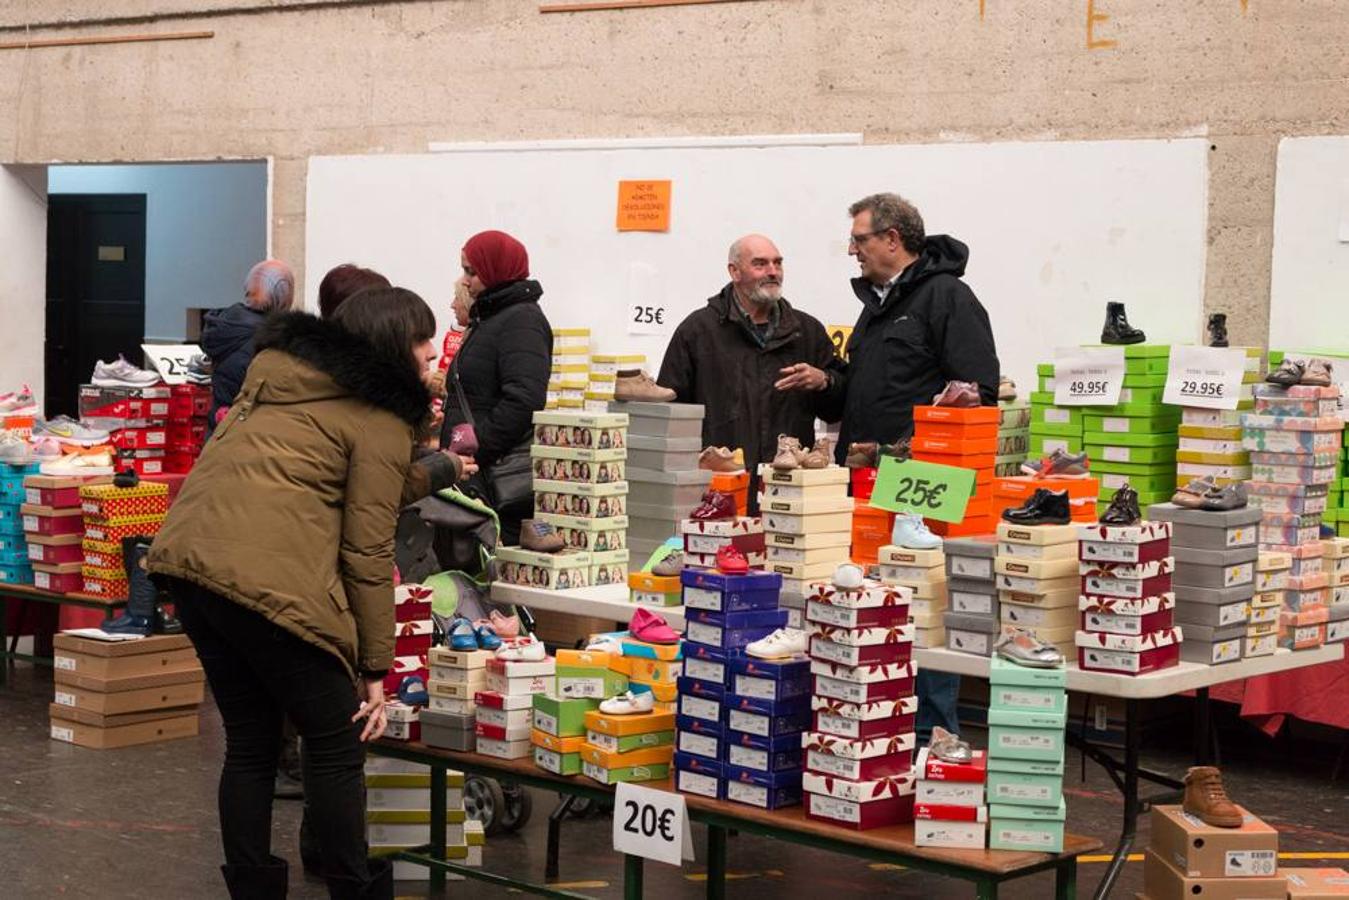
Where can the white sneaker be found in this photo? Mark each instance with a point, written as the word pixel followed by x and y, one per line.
pixel 122 374
pixel 14 449
pixel 80 465
pixel 849 577
pixel 780 644
pixel 629 704
pixel 522 649
pixel 606 643
pixel 21 403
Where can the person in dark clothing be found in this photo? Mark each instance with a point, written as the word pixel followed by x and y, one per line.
pixel 733 355
pixel 227 334
pixel 920 327
pixel 502 370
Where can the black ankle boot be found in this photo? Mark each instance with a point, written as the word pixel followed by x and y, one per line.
pixel 257 882
pixel 1123 508
pixel 1044 507
pixel 379 887
pixel 1217 330
pixel 1117 329
pixel 142 596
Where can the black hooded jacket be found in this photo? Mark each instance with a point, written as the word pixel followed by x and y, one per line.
pixel 227 338
pixel 928 330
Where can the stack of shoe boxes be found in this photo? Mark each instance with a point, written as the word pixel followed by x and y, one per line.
pixel 1337 507
pixel 457 676
pixel 570 376
pixel 583 679
pixel 404 722
pixel 973 618
pixel 968 439
pixel 1052 427
pixel 1210 439
pixel 16 558
pixel 1273 568
pixel 949 808
pixel 647 589
pixel 504 712
pixel 1027 713
pixel 871 529
pixel 113 514
pixel 604 369
pixel 1013 438
pixel 664 481
pixel 922 573
pixel 412 635
pixel 767 710
pixel 51 523
pixel 807 522
pixel 649 667
pixel 398 815
pixel 1214 581
pixel 629 748
pixel 859 755
pixel 189 406
pixel 1336 562
pixel 119 693
pixel 1188 858
pixel 1036 569
pixel 703 538
pixel 137 420
pixel 1127 608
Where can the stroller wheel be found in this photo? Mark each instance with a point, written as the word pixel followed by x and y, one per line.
pixel 517 807
pixel 485 801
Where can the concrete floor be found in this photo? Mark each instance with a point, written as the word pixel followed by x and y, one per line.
pixel 141 822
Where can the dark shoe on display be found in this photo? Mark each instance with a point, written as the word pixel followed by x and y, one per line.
pixel 1228 497
pixel 820 456
pixel 1206 798
pixel 634 385
pixel 1288 373
pixel 715 506
pixel 1317 373
pixel 1024 647
pixel 789 455
pixel 1123 508
pixel 963 394
pixel 127 478
pixel 1043 508
pixel 1059 465
pixel 257 882
pixel 165 622
pixel 900 449
pixel 1117 329
pixel 1217 330
pixel 142 597
pixel 1192 495
pixel 540 537
pixel 864 455
pixel 1006 389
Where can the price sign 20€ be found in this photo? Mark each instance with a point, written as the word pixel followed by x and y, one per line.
pixel 652 824
pixel 930 490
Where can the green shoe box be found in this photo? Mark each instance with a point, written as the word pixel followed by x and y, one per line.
pixel 1144 395
pixel 1051 720
pixel 630 742
pixel 566 717
pixel 1023 789
pixel 559 763
pixel 1141 470
pixel 1138 351
pixel 1041 414
pixel 1164 483
pixel 1040 744
pixel 1025 828
pixel 1023 698
pixel 1342 529
pixel 1042 445
pixel 590 682
pixel 1131 424
pixel 658 772
pixel 1001 671
pixel 1138 411
pixel 1045 370
pixel 1150 380
pixel 1167 438
pixel 1146 366
pixel 1118 454
pixel 1145 498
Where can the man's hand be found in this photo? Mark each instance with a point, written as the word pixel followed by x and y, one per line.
pixel 470 466
pixel 802 377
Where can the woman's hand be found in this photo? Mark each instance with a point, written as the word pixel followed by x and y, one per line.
pixel 371 690
pixel 435 382
pixel 470 467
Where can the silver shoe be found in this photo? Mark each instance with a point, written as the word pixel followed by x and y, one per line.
pixel 949 747
pixel 1023 647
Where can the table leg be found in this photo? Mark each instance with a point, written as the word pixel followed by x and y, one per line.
pixel 550 867
pixel 986 889
pixel 1203 728
pixel 1065 879
pixel 438 789
pixel 4 655
pixel 632 877
pixel 716 862
pixel 1129 829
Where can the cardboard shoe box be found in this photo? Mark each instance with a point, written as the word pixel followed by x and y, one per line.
pixel 88 663
pixel 1163 880
pixel 1196 850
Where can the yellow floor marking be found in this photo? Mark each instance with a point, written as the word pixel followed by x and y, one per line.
pixel 735 876
pixel 1138 857
pixel 578 885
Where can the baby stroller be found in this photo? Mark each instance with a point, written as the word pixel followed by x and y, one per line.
pixel 445 541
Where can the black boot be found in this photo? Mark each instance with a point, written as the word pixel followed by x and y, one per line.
pixel 257 882
pixel 379 887
pixel 141 593
pixel 1217 330
pixel 1043 508
pixel 1117 329
pixel 165 621
pixel 1123 508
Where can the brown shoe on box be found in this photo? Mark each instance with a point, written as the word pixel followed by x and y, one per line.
pixel 1206 798
pixel 540 537
pixel 634 385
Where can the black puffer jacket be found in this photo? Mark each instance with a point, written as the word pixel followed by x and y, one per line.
pixel 503 366
pixel 928 330
pixel 227 338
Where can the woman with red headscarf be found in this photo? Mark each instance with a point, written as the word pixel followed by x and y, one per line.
pixel 500 375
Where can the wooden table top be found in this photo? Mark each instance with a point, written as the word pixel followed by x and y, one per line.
pixel 28 592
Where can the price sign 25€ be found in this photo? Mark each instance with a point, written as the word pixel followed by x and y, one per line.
pixel 930 490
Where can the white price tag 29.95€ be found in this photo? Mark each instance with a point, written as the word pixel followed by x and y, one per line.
pixel 652 824
pixel 1088 376
pixel 1207 377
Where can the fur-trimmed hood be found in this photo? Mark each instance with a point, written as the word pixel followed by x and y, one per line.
pixel 343 360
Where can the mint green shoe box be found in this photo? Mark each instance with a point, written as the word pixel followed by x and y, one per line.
pixel 1040 743
pixel 1024 788
pixel 1010 828
pixel 1001 671
pixel 1043 444
pixel 564 717
pixel 1025 698
pixel 1051 720
pixel 1119 454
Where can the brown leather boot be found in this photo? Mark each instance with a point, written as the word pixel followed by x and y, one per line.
pixel 819 456
pixel 634 385
pixel 789 455
pixel 1205 798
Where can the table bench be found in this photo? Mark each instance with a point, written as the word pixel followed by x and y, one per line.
pixel 26 593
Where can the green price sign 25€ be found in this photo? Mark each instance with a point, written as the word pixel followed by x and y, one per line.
pixel 930 490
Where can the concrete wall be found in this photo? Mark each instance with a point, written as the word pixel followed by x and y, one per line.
pixel 205 227
pixel 375 77
pixel 23 277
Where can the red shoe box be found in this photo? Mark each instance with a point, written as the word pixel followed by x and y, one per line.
pixel 709 544
pixel 101 554
pixel 124 402
pixel 189 401
pixel 857 759
pixel 140 438
pixel 63 579
pixel 57 491
pixel 412 638
pixel 51 521
pixel 177 462
pixel 403 666
pixel 859 805
pixel 862 646
pixel 878 679
pixel 55 551
pixel 950 812
pixel 931 768
pixel 1138 580
pixel 863 482
pixel 1100 614
pixel 143 465
pixel 412 612
pixel 826 613
pixel 864 729
pixel 113 534
pixel 1128 654
pixel 192 432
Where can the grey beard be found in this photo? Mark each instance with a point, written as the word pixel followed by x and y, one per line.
pixel 760 298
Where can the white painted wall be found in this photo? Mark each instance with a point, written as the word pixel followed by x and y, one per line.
pixel 206 225
pixel 23 277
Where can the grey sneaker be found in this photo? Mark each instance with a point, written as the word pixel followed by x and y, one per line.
pixel 1230 496
pixel 1059 465
pixel 122 374
pixel 671 564
pixel 1191 496
pixel 66 430
pixel 1022 647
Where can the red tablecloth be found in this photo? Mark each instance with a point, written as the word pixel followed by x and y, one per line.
pixel 1316 694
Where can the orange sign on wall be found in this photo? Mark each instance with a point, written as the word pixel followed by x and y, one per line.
pixel 644 206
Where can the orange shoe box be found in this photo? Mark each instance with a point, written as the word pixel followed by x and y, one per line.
pixel 977 415
pixel 956 446
pixel 1020 487
pixel 972 526
pixel 953 431
pixel 960 460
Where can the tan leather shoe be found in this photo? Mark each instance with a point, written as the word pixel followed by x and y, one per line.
pixel 636 386
pixel 721 459
pixel 1206 798
pixel 789 455
pixel 820 456
pixel 540 537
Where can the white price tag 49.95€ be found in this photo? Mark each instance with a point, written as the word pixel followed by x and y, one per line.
pixel 1207 377
pixel 1088 376
pixel 652 824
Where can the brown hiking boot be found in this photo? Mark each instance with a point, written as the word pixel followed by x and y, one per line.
pixel 820 456
pixel 862 455
pixel 789 454
pixel 540 537
pixel 1206 799
pixel 636 386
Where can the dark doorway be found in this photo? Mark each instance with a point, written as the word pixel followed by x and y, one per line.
pixel 95 289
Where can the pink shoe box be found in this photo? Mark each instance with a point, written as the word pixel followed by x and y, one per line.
pixel 1294 474
pixel 1309 565
pixel 871 595
pixel 68 550
pixel 1303 630
pixel 1316 459
pixel 1114 615
pixel 67 578
pixel 1128 654
pixel 861 646
pixel 1146 579
pixel 1309 582
pixel 1306 550
pixel 56 491
pixel 875 617
pixel 1297 601
pixel 1272 536
pixel 51 521
pixel 860 805
pixel 1290 520
pixel 864 720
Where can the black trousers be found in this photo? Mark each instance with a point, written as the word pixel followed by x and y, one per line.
pixel 260 675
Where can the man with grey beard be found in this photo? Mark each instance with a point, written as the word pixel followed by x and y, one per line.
pixel 731 355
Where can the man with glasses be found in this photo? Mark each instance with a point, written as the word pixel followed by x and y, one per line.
pixel 920 327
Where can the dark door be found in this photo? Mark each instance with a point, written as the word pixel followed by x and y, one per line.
pixel 95 289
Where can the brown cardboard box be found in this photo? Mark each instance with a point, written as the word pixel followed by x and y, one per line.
pixel 180 675
pixel 73 732
pixel 103 660
pixel 1161 881
pixel 106 703
pixel 1316 884
pixel 1197 850
pixel 98 720
pixel 567 631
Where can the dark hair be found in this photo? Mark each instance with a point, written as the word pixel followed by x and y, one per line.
pixel 391 319
pixel 893 211
pixel 342 282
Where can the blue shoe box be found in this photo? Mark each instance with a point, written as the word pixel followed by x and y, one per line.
pixel 766 790
pixel 765 754
pixel 731 631
pixel 766 718
pixel 714 591
pixel 11 482
pixel 708 663
pixel 700 737
pixel 776 679
pixel 11 520
pixel 20 574
pixel 701 700
pixel 12 542
pixel 699 775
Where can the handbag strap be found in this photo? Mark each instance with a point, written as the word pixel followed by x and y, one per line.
pixel 458 387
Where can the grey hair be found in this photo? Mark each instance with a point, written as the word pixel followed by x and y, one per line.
pixel 893 211
pixel 270 285
pixel 733 256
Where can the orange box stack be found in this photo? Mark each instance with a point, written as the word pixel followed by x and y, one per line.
pixel 734 483
pixel 871 529
pixel 967 438
pixel 1016 490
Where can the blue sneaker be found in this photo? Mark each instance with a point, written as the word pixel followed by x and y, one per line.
pixel 462 636
pixel 487 637
pixel 413 691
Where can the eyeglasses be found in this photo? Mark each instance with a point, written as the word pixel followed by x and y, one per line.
pixel 857 240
